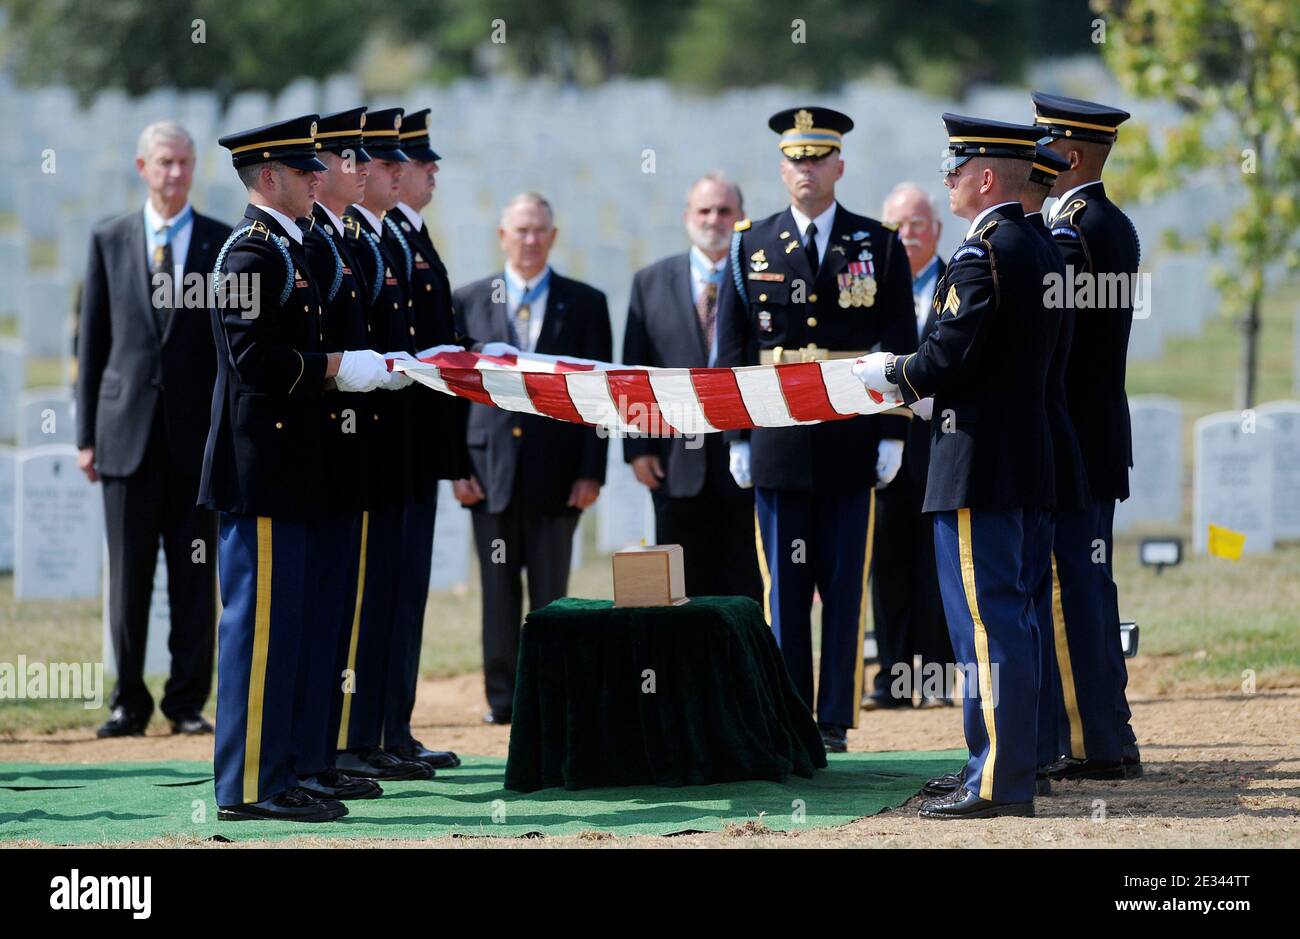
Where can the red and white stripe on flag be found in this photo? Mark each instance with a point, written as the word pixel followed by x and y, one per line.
pixel 655 401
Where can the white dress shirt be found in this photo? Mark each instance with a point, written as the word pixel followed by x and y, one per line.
pixel 923 293
pixel 974 226
pixel 412 216
pixel 289 225
pixel 180 242
pixel 376 225
pixel 1065 199
pixel 824 223
pixel 536 310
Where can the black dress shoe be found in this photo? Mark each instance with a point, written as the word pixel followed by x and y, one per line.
pixel 1071 768
pixel 834 737
pixel 962 803
pixel 196 724
pixel 122 724
pixel 419 753
pixel 1132 765
pixel 943 785
pixel 332 784
pixel 378 764
pixel 497 717
pixel 292 805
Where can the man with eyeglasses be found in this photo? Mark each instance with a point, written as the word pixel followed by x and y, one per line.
pixel 810 283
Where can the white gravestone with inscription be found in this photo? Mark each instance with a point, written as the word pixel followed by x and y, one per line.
pixel 1284 417
pixel 1233 479
pixel 59 528
pixel 1156 480
pixel 8 467
pixel 45 416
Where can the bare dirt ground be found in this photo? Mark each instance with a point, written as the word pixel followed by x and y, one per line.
pixel 1221 771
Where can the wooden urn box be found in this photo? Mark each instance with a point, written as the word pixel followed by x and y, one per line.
pixel 650 575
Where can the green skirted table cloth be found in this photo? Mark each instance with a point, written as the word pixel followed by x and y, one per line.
pixel 676 696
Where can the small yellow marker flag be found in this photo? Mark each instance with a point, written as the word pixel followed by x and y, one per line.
pixel 1226 543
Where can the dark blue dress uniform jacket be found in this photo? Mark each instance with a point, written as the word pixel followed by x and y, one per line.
pixel 345 416
pixel 1095 236
pixel 263 453
pixel 986 366
pixel 834 456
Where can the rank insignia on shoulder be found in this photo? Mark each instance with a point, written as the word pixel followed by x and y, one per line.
pixel 952 302
pixel 1065 230
pixel 892 226
pixel 743 225
pixel 966 251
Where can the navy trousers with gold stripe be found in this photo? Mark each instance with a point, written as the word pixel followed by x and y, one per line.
pixel 1040 581
pixel 408 626
pixel 1113 646
pixel 331 611
pixel 1086 718
pixel 361 721
pixel 264 584
pixel 979 554
pixel 814 541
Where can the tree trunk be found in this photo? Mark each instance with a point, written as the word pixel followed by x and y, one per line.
pixel 1250 339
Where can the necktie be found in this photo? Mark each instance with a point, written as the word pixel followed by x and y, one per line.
pixel 810 248
pixel 163 264
pixel 706 308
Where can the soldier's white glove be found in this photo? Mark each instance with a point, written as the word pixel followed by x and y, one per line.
pixel 499 348
pixel 870 370
pixel 739 463
pixel 437 350
pixel 361 370
pixel 889 457
pixel 395 379
pixel 924 408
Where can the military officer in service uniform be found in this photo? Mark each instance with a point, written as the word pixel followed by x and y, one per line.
pixel 261 470
pixel 437 430
pixel 991 466
pixel 813 282
pixel 344 435
pixel 395 479
pixel 1098 240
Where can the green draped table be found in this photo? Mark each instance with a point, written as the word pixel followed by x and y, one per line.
pixel 676 696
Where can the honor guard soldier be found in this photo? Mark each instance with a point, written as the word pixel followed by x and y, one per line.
pixel 262 471
pixel 344 418
pixel 816 282
pixel 1060 582
pixel 437 430
pixel 395 479
pixel 1099 241
pixel 991 465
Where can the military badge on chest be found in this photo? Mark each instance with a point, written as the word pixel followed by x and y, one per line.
pixel 858 283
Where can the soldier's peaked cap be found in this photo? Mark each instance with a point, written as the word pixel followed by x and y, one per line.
pixel 1077 119
pixel 382 135
pixel 977 136
pixel 340 133
pixel 809 132
pixel 291 142
pixel 414 138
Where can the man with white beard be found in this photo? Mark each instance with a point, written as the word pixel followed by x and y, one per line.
pixel 670 324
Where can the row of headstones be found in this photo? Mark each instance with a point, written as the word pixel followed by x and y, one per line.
pixel 1245 471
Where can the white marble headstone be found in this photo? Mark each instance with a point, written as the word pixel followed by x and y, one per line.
pixel 57 544
pixel 1233 479
pixel 46 317
pixel 8 469
pixel 13 376
pixel 45 416
pixel 1156 480
pixel 1284 417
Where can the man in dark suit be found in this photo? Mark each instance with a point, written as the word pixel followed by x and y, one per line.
pixel 905 601
pixel 532 476
pixel 815 282
pixel 991 466
pixel 146 369
pixel 1097 240
pixel 671 324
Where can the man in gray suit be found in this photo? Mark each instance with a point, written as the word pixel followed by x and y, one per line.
pixel 670 324
pixel 532 476
pixel 147 364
